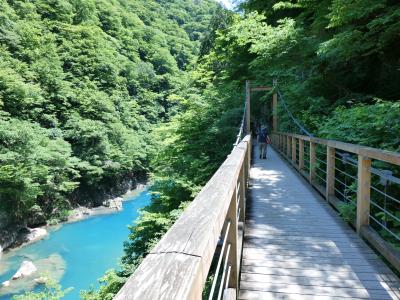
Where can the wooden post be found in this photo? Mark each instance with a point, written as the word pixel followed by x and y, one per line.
pixel 242 193
pixel 248 129
pixel 275 107
pixel 330 172
pixel 301 154
pixel 363 191
pixel 275 112
pixel 279 141
pixel 249 152
pixel 288 146
pixel 232 239
pixel 294 151
pixel 313 160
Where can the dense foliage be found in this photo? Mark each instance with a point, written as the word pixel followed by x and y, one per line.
pixel 82 84
pixel 105 78
pixel 332 85
pixel 194 144
pixel 330 57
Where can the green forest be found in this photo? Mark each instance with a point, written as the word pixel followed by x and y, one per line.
pixel 82 86
pixel 95 93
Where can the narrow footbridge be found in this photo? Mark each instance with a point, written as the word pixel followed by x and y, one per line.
pixel 270 228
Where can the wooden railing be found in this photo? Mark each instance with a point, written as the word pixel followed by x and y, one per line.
pixel 211 227
pixel 344 174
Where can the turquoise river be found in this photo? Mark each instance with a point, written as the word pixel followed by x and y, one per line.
pixel 79 253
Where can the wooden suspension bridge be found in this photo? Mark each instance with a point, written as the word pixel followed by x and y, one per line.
pixel 268 229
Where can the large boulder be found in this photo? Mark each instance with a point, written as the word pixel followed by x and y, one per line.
pixel 6 283
pixel 27 268
pixel 49 267
pixel 35 234
pixel 114 204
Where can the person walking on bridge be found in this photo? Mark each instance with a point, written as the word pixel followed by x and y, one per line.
pixel 263 141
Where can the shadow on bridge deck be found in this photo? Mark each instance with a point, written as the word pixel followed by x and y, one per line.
pixel 297 247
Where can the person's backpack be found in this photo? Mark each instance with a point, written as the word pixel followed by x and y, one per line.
pixel 263 136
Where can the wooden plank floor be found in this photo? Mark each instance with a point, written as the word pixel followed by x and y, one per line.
pixel 297 247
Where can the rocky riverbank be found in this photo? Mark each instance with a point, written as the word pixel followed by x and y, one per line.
pixel 30 274
pixel 14 236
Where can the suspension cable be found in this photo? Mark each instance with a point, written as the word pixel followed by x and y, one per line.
pixel 379 172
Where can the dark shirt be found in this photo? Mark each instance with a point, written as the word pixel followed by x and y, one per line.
pixel 262 135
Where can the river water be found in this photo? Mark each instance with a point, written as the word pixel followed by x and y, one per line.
pixel 79 253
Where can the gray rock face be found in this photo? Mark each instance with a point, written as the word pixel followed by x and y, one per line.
pixel 4 220
pixel 8 236
pixel 36 217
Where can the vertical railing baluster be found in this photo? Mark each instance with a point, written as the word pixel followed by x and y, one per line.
pixel 288 146
pixel 363 191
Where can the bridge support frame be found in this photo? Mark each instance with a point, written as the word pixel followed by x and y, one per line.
pixel 250 89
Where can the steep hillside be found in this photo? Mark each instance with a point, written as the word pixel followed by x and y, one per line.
pixel 82 84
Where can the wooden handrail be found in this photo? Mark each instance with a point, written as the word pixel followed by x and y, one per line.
pixel 383 155
pixel 284 141
pixel 178 266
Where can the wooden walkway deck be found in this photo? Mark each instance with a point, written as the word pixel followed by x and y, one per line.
pixel 297 247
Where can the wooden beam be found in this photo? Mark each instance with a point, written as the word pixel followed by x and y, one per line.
pixel 177 267
pixel 242 194
pixel 363 191
pixel 330 173
pixel 230 294
pixel 150 281
pixel 373 153
pixel 288 139
pixel 248 108
pixel 294 151
pixel 383 247
pixel 232 239
pixel 313 161
pixel 261 89
pixel 275 112
pixel 301 154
